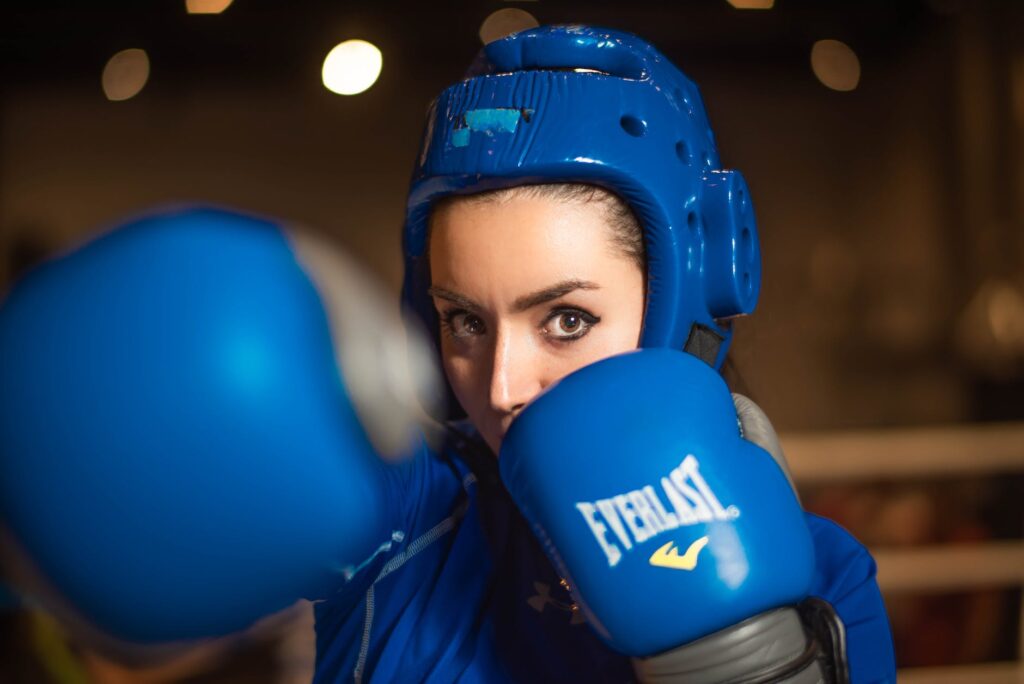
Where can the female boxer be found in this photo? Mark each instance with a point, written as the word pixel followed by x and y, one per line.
pixel 567 206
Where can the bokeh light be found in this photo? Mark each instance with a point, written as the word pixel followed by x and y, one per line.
pixel 351 67
pixel 752 4
pixel 835 64
pixel 206 6
pixel 505 22
pixel 990 330
pixel 125 74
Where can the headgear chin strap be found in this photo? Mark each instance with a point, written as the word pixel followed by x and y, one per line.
pixel 586 105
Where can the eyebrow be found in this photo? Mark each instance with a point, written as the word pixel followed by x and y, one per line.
pixel 454 297
pixel 523 303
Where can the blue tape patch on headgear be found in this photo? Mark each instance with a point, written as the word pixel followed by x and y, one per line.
pixel 504 120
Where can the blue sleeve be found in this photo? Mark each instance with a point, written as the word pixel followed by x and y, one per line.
pixel 845 577
pixel 423 494
pixel 416 494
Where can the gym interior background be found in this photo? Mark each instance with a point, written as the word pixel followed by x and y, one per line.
pixel 884 146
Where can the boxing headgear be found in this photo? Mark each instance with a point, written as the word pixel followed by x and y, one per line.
pixel 587 105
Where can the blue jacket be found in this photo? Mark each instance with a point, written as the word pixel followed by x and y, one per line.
pixel 462 592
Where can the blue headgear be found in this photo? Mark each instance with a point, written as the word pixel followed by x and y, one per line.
pixel 587 105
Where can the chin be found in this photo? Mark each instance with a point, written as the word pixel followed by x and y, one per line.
pixel 494 442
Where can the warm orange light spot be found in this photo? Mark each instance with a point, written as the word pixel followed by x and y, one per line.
pixel 125 74
pixel 505 22
pixel 206 6
pixel 835 64
pixel 752 4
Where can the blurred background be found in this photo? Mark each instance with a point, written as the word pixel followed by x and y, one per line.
pixel 883 142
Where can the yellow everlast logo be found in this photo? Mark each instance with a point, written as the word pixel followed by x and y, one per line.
pixel 668 555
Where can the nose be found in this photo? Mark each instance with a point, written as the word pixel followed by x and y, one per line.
pixel 517 373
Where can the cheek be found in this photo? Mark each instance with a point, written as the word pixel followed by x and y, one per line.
pixel 463 373
pixel 626 336
pixel 622 324
pixel 602 347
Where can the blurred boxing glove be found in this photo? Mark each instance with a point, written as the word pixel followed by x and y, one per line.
pixel 670 526
pixel 191 410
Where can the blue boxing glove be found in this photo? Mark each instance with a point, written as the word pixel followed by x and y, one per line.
pixel 670 528
pixel 191 412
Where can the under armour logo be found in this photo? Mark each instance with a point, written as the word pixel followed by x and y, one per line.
pixel 543 598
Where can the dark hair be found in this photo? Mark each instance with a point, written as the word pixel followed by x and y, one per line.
pixel 627 233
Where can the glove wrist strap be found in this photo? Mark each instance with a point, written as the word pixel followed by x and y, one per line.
pixel 791 645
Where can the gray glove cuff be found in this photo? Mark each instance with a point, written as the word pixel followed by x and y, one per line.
pixel 752 651
pixel 755 427
pixel 792 645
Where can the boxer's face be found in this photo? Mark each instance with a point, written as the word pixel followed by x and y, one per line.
pixel 527 289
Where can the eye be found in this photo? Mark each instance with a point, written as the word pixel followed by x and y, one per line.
pixel 460 323
pixel 569 324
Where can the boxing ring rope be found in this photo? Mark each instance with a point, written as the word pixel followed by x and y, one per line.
pixel 915 453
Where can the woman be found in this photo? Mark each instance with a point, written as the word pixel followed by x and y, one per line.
pixel 566 207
